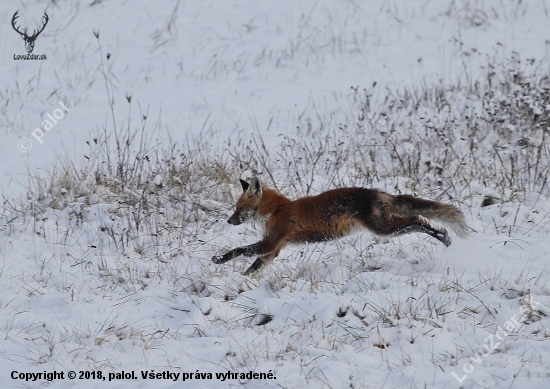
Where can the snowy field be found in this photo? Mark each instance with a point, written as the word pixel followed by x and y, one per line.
pixel 110 217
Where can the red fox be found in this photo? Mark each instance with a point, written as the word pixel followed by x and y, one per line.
pixel 333 214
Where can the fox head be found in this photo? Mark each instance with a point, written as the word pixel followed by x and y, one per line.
pixel 248 203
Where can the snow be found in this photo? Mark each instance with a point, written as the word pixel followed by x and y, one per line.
pixel 84 289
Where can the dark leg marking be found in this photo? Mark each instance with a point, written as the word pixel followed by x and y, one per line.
pixel 261 247
pixel 420 224
pixel 245 250
pixel 258 263
pixel 261 261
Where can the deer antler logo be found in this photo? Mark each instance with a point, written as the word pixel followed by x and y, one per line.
pixel 29 40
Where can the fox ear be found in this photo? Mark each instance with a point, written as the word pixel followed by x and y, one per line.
pixel 256 186
pixel 244 184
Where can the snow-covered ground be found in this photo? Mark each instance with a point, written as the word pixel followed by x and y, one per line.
pixel 445 99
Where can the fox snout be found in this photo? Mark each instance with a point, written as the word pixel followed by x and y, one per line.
pixel 235 220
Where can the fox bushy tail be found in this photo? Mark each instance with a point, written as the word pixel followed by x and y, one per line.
pixel 444 213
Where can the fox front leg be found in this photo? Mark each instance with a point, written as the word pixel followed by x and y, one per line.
pixel 261 261
pixel 217 259
pixel 259 248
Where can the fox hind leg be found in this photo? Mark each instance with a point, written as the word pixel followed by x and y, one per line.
pixel 399 225
pixel 421 224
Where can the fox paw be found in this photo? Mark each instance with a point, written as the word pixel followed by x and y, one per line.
pixel 445 239
pixel 217 259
